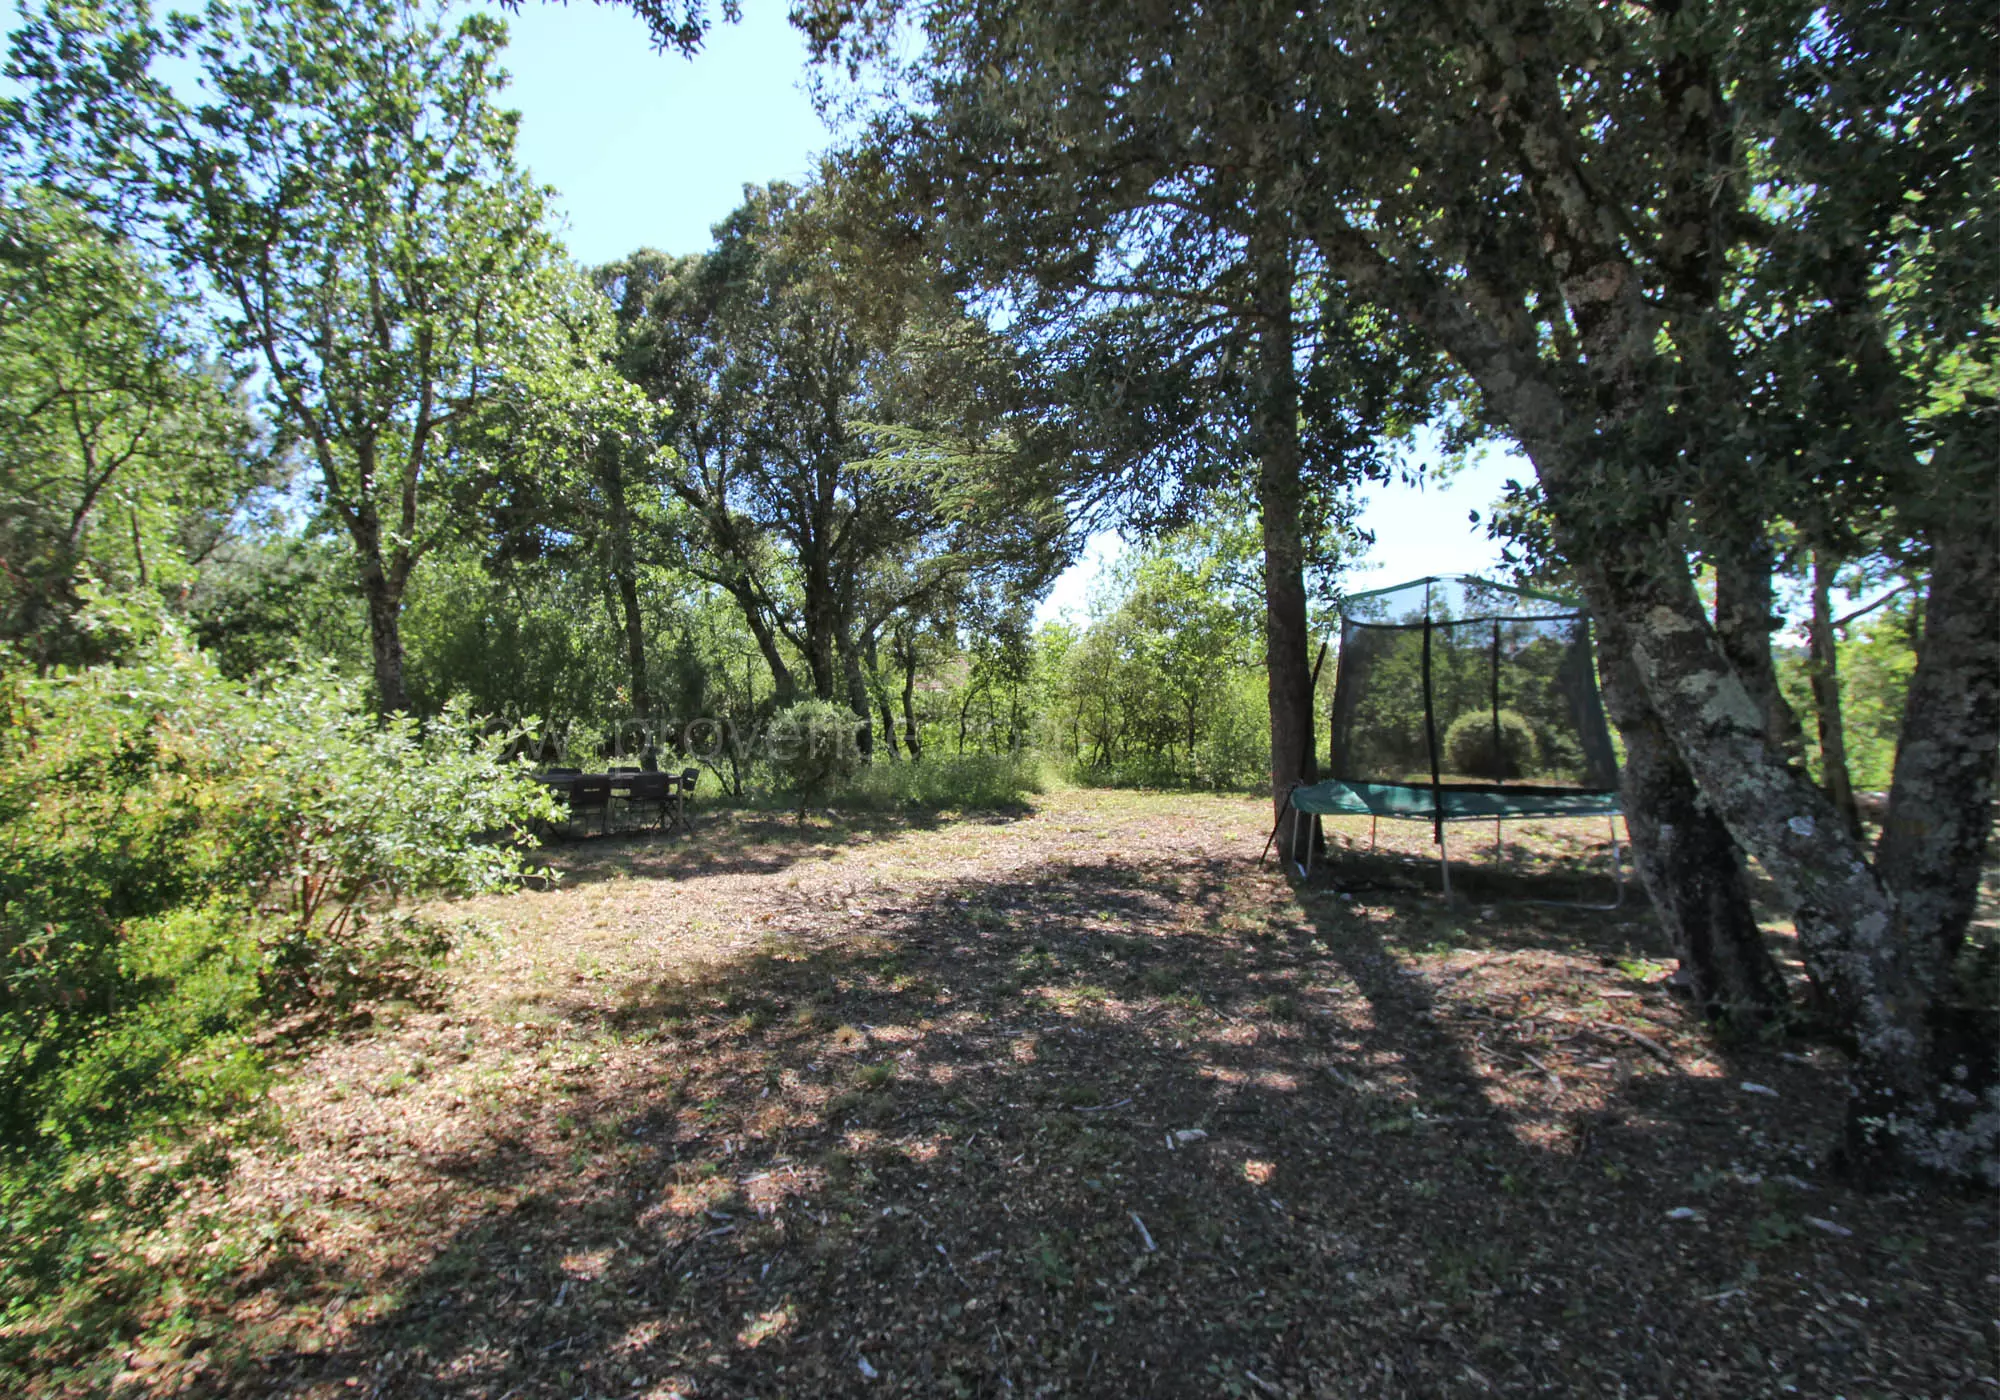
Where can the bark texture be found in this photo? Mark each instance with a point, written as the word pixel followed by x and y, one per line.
pixel 1279 495
pixel 1604 452
pixel 1940 815
pixel 1907 1111
pixel 1744 621
pixel 1690 867
pixel 385 638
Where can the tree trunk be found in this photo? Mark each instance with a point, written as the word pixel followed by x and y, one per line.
pixel 912 735
pixel 1686 859
pixel 857 697
pixel 1824 665
pixel 821 612
pixel 385 638
pixel 1907 1111
pixel 1743 623
pixel 785 686
pixel 1904 1114
pixel 1275 430
pixel 1933 841
pixel 624 573
pixel 881 695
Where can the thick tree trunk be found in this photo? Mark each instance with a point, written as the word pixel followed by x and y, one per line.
pixel 1686 859
pixel 1280 490
pixel 1933 842
pixel 785 686
pixel 857 698
pixel 1743 624
pixel 1903 1112
pixel 821 612
pixel 1824 664
pixel 1907 1110
pixel 385 638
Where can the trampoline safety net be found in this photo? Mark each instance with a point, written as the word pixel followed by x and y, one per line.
pixel 1448 687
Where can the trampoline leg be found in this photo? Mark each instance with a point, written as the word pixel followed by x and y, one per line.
pixel 1617 865
pixel 1444 866
pixel 1372 819
pixel 1499 844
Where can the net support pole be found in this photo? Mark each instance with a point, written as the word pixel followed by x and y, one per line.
pixel 1431 733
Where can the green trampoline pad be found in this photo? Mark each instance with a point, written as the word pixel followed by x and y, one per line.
pixel 1408 800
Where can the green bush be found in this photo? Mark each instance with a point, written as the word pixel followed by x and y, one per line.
pixel 965 782
pixel 1469 748
pixel 814 749
pixel 179 853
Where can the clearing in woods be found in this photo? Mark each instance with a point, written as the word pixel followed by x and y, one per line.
pixel 1071 1100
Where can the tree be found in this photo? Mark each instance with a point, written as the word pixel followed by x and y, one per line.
pixel 350 198
pixel 822 398
pixel 1145 244
pixel 123 453
pixel 574 448
pixel 1559 196
pixel 1569 236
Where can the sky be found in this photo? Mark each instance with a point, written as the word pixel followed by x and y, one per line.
pixel 648 149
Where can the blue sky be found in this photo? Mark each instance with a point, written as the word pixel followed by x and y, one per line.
pixel 650 149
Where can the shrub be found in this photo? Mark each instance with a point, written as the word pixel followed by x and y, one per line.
pixel 1469 749
pixel 813 747
pixel 179 852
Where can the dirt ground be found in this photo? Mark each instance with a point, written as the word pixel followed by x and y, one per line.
pixel 1077 1100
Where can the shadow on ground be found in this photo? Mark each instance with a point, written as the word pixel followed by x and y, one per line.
pixel 737 841
pixel 1156 1124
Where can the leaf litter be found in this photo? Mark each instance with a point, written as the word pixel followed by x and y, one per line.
pixel 913 1108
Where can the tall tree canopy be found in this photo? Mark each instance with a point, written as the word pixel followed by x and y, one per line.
pixel 1158 273
pixel 825 396
pixel 345 185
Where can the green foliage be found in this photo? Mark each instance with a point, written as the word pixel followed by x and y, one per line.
pixel 179 853
pixel 1470 752
pixel 257 603
pixel 837 450
pixel 347 190
pixel 968 782
pixel 812 746
pixel 1875 659
pixel 122 453
pixel 1164 687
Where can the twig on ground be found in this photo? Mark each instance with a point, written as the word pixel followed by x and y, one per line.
pixel 1666 1056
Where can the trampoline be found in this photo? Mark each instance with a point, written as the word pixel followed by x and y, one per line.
pixel 1457 699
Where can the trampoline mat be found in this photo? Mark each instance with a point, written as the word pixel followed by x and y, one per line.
pixel 1416 802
